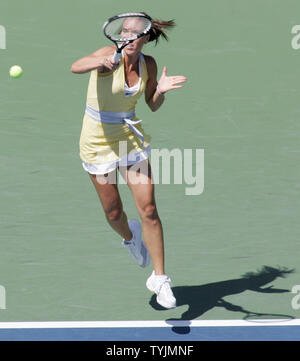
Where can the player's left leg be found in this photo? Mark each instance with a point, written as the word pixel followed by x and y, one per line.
pixel 138 178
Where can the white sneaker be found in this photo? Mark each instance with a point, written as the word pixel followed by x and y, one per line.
pixel 136 246
pixel 161 286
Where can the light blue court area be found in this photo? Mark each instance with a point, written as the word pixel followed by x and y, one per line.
pixel 216 330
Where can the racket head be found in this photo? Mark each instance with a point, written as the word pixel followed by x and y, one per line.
pixel 127 27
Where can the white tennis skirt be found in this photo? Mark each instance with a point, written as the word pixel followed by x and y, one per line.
pixel 132 158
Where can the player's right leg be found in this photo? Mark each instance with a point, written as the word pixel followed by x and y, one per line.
pixel 131 231
pixel 112 205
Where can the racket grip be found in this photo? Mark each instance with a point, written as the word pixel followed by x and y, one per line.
pixel 117 56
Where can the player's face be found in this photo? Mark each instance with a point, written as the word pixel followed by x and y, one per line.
pixel 132 27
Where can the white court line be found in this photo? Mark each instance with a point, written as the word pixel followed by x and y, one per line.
pixel 136 324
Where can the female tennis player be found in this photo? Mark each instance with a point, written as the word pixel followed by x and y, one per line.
pixel 112 138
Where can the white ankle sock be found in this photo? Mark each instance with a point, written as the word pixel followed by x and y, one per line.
pixel 160 277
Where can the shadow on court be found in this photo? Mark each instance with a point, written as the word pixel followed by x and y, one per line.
pixel 203 298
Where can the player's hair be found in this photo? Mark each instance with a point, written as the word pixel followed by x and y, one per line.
pixel 159 28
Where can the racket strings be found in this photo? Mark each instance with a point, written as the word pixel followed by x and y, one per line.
pixel 127 28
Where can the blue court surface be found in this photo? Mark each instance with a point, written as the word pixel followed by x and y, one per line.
pixel 219 330
pixel 232 250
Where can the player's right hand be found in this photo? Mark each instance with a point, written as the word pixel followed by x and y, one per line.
pixel 109 64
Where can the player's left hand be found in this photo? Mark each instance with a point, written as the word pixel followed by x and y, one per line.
pixel 167 83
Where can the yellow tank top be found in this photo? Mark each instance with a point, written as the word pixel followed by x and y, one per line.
pixel 99 142
pixel 106 91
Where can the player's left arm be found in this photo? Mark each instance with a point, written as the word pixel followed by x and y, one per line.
pixel 154 93
pixel 152 97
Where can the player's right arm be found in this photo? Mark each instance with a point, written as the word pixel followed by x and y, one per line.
pixel 101 59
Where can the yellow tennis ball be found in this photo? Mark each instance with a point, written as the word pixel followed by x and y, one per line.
pixel 15 71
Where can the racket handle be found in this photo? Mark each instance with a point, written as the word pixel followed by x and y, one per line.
pixel 117 56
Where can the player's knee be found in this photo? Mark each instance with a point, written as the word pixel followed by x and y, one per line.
pixel 114 213
pixel 149 213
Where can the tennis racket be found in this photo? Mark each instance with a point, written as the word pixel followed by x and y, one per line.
pixel 123 29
